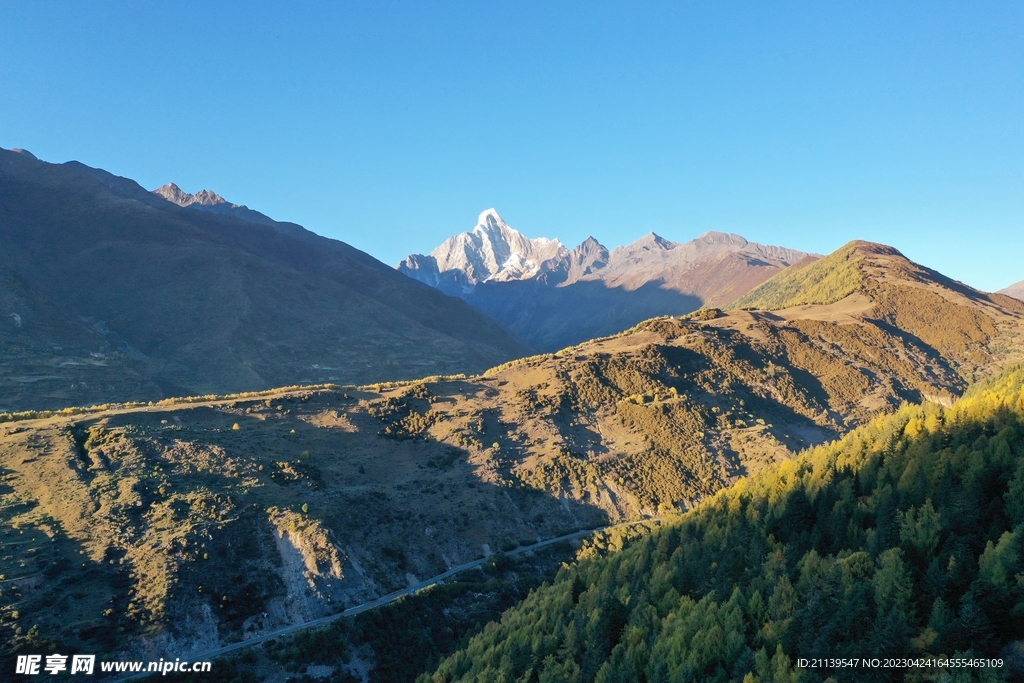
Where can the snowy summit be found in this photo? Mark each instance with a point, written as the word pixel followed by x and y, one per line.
pixel 490 252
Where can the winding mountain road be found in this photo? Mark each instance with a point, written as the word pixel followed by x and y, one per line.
pixel 389 598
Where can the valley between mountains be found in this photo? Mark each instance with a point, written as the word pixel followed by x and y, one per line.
pixel 229 486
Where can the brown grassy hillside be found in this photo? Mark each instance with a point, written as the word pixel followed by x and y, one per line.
pixel 1016 290
pixel 874 285
pixel 167 528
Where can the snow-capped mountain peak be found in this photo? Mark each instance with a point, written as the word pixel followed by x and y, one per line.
pixel 491 251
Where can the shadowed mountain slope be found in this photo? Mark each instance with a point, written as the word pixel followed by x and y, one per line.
pixel 45 355
pixel 191 301
pixel 553 297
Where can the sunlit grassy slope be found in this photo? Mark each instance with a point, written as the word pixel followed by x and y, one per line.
pixel 902 540
pixel 824 281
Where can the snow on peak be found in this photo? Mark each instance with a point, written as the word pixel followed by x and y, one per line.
pixel 489 216
pixel 494 251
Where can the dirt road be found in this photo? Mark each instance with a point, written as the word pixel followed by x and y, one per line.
pixel 390 597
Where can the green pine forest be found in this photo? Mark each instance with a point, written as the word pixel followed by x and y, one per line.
pixel 904 539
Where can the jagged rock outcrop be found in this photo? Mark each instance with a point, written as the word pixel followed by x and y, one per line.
pixel 585 260
pixel 211 202
pixel 173 193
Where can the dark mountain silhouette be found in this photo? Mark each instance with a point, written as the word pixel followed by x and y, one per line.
pixel 208 297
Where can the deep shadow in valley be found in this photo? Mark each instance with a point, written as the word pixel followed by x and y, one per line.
pixel 551 318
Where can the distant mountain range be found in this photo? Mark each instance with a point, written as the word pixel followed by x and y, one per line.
pixel 554 297
pixel 110 292
pixel 1015 290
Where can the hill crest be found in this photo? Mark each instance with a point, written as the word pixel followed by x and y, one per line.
pixel 1015 290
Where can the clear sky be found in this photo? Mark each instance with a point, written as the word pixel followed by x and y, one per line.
pixel 391 125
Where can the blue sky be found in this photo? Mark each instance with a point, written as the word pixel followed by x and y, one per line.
pixel 391 125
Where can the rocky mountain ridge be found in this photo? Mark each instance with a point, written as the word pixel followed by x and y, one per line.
pixel 554 297
pixel 208 200
pixel 495 252
pixel 173 193
pixel 490 252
